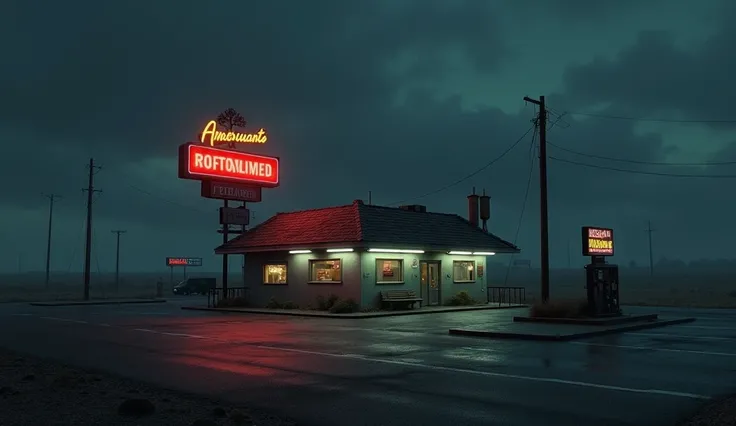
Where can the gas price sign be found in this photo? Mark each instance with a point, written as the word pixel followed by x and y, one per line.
pixel 597 241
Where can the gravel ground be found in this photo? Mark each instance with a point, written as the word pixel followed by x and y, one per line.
pixel 721 412
pixel 39 392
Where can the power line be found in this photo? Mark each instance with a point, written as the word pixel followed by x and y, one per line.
pixel 654 120
pixel 652 163
pixel 523 205
pixel 459 181
pixel 642 172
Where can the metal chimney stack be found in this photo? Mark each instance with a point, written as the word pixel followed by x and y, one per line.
pixel 485 209
pixel 473 208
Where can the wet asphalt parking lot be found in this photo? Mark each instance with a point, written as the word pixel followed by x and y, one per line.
pixel 394 370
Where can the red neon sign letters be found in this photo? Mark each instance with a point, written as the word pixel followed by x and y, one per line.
pixel 201 162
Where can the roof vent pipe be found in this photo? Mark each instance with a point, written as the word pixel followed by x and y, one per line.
pixel 485 209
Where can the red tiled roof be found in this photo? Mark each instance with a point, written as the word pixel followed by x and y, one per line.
pixel 358 223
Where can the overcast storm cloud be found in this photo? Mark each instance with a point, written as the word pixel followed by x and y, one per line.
pixel 397 97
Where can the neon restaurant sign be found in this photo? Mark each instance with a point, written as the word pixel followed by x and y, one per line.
pixel 212 136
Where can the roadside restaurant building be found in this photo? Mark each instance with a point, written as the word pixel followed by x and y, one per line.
pixel 357 251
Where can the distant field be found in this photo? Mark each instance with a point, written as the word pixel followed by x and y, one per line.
pixel 685 288
pixel 31 286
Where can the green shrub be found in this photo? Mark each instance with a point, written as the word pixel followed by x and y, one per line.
pixel 347 306
pixel 461 299
pixel 289 305
pixel 273 304
pixel 325 304
pixel 232 302
pixel 560 309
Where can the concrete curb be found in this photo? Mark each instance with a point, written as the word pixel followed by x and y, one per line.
pixel 97 302
pixel 590 321
pixel 566 337
pixel 344 316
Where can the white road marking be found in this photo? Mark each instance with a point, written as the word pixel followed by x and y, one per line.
pixel 645 348
pixel 682 336
pixel 706 327
pixel 492 374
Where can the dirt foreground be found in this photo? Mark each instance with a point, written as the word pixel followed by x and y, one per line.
pixel 721 412
pixel 40 392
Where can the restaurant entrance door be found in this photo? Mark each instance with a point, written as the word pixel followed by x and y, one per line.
pixel 430 282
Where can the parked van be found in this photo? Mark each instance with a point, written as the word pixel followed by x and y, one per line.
pixel 195 286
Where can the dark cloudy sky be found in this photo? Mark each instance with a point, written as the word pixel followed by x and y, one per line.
pixel 396 97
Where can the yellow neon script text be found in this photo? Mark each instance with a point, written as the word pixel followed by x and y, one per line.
pixel 600 244
pixel 216 136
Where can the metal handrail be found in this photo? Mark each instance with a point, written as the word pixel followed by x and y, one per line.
pixel 215 295
pixel 508 296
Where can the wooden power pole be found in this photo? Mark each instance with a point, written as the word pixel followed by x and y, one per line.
pixel 117 257
pixel 88 243
pixel 544 228
pixel 649 231
pixel 52 198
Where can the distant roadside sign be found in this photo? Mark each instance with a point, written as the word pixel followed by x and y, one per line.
pixel 183 261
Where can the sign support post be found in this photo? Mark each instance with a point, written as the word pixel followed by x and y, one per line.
pixel 225 228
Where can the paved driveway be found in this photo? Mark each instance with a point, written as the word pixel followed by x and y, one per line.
pixel 394 370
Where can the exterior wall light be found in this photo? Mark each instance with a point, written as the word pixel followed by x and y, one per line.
pixel 380 250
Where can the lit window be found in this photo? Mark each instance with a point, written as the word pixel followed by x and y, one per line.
pixel 274 273
pixel 325 270
pixel 463 271
pixel 389 271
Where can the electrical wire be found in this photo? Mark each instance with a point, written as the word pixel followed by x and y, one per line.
pixel 143 191
pixel 523 205
pixel 459 181
pixel 654 120
pixel 651 163
pixel 642 172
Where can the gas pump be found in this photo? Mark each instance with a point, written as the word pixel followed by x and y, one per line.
pixel 603 287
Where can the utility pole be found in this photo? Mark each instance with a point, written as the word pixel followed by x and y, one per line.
pixel 649 231
pixel 542 126
pixel 52 198
pixel 117 233
pixel 88 244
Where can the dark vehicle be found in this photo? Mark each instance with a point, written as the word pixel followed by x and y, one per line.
pixel 195 286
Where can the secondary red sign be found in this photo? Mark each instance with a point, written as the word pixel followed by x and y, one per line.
pixel 201 162
pixel 597 241
pixel 231 191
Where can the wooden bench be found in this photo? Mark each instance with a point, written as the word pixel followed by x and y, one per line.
pixel 402 297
